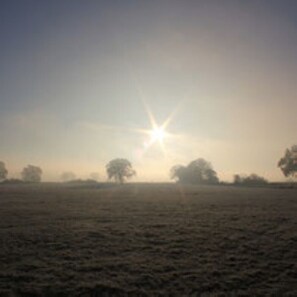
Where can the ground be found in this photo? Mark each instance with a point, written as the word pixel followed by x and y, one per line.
pixel 147 240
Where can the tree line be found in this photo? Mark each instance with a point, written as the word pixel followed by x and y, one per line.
pixel 29 173
pixel 198 171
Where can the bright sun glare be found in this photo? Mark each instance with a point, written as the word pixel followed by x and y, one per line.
pixel 157 134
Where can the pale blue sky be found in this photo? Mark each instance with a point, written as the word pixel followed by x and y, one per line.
pixel 74 75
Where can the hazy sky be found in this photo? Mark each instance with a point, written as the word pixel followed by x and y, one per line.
pixel 74 77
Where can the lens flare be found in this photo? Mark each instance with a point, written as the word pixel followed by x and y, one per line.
pixel 157 134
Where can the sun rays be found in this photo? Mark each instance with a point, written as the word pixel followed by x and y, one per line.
pixel 158 134
pixel 153 138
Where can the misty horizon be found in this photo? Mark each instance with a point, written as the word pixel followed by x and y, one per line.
pixel 80 80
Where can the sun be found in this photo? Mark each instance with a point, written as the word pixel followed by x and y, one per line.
pixel 157 134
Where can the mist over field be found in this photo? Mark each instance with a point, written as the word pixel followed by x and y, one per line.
pixel 148 148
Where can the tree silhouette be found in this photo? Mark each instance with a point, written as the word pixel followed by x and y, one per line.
pixel 198 171
pixel 237 179
pixel 31 174
pixel 180 173
pixel 3 171
pixel 288 163
pixel 250 180
pixel 119 170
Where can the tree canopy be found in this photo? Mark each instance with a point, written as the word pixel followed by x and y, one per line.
pixel 119 170
pixel 252 179
pixel 31 173
pixel 288 163
pixel 198 171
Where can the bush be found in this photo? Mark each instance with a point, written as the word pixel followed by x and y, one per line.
pixel 250 180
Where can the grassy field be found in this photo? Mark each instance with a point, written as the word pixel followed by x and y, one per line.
pixel 147 240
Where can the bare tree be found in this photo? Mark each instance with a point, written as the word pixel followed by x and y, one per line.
pixel 119 170
pixel 3 171
pixel 31 173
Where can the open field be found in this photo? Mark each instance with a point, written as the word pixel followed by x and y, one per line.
pixel 147 240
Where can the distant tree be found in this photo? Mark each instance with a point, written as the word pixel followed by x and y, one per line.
pixel 31 174
pixel 3 171
pixel 180 173
pixel 68 176
pixel 119 170
pixel 198 171
pixel 249 180
pixel 288 163
pixel 237 179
